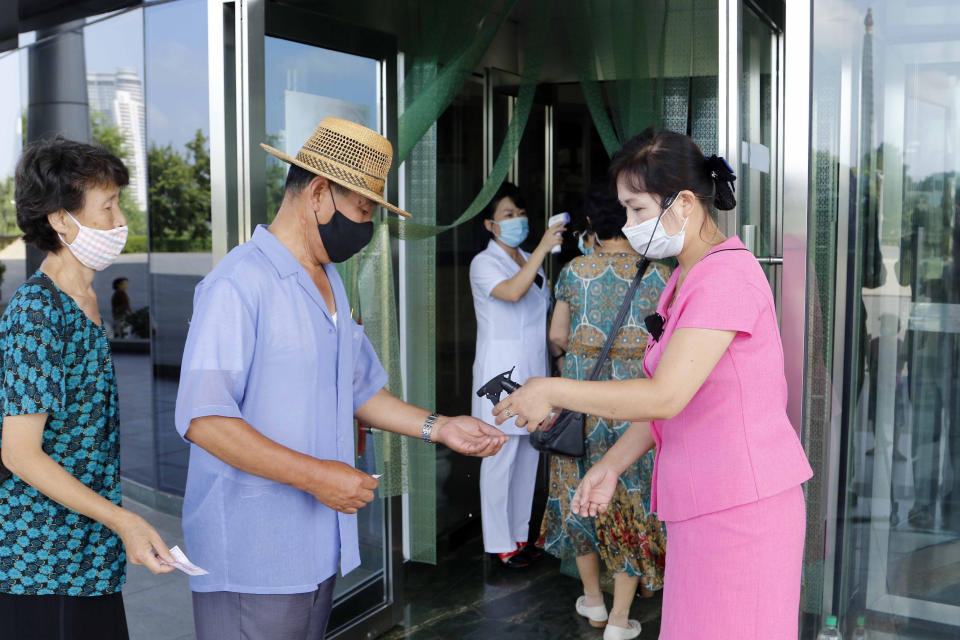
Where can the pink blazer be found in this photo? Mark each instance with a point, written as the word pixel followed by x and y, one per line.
pixel 733 443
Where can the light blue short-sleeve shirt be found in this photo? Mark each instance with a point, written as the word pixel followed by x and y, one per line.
pixel 262 346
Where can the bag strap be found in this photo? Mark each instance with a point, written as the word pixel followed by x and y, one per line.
pixel 45 282
pixel 642 265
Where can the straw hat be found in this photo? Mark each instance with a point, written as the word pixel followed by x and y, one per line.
pixel 349 154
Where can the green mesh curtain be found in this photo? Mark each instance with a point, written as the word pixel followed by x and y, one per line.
pixel 368 278
pixel 420 263
pixel 646 63
pixel 535 39
pixel 454 40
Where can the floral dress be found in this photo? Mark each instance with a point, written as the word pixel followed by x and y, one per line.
pixel 59 364
pixel 628 537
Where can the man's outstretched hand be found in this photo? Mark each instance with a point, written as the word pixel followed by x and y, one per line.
pixel 469 436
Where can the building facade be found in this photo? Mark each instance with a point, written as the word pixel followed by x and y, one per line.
pixel 119 98
pixel 842 118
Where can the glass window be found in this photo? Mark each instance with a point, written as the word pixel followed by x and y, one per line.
pixel 113 51
pixel 304 84
pixel 13 127
pixel 460 174
pixel 756 193
pixel 886 149
pixel 178 195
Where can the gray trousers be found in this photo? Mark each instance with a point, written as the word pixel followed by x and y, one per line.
pixel 224 615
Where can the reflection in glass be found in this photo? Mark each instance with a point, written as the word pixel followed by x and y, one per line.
pixel 114 55
pixel 304 84
pixel 13 128
pixel 178 198
pixel 899 525
pixel 460 176
pixel 758 95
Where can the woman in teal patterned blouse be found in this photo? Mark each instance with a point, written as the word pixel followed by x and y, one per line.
pixel 630 540
pixel 63 533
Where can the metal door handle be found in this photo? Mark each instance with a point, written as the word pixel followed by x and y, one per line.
pixel 770 260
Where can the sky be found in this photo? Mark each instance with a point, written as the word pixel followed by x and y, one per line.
pixel 301 68
pixel 176 51
pixel 115 42
pixel 167 44
pixel 916 60
pixel 10 108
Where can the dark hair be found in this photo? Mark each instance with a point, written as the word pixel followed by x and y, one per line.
pixel 506 190
pixel 55 174
pixel 298 178
pixel 665 163
pixel 117 282
pixel 607 215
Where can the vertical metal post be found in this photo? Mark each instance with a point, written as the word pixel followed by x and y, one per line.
pixel 798 296
pixel 251 115
pixel 728 102
pixel 488 152
pixel 58 94
pixel 796 186
pixel 236 33
pixel 223 123
pixel 548 162
pixel 514 174
pixel 548 208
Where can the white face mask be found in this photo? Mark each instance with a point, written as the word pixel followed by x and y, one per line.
pixel 649 238
pixel 96 248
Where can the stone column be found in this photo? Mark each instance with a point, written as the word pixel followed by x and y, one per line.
pixel 58 94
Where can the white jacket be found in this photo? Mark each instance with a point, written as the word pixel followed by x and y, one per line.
pixel 508 333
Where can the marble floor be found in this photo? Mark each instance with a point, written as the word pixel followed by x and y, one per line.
pixel 466 597
pixel 158 607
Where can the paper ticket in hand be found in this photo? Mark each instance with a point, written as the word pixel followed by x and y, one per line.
pixel 183 563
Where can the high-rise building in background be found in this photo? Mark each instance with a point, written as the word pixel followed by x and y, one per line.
pixel 119 97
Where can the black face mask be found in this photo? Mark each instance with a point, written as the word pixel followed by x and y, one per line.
pixel 342 237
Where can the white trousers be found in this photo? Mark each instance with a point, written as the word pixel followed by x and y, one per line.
pixel 507 481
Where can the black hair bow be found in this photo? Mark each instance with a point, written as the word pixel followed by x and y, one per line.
pixel 721 170
pixel 723 178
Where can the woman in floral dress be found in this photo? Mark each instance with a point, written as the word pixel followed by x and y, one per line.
pixel 628 537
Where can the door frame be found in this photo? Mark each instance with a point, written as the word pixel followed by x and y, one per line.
pixel 236 41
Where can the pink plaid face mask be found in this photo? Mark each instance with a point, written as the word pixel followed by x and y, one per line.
pixel 96 248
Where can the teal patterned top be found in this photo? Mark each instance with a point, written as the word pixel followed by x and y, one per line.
pixel 60 366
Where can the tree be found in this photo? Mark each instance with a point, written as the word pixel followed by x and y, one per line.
pixel 276 175
pixel 8 208
pixel 109 136
pixel 179 197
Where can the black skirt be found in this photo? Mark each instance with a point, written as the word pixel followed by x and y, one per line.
pixel 58 617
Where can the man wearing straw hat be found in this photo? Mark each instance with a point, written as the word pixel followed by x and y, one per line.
pixel 274 371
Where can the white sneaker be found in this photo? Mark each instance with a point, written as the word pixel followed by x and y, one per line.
pixel 622 633
pixel 597 616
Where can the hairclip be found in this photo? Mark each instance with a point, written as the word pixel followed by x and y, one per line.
pixel 720 169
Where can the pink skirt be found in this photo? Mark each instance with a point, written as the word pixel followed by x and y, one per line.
pixel 735 574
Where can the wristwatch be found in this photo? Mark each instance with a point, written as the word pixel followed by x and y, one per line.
pixel 428 426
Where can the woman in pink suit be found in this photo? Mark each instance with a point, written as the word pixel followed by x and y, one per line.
pixel 729 466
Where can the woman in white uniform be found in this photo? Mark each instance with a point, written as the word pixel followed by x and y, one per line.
pixel 511 299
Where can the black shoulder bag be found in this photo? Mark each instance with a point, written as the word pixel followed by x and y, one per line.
pixel 565 436
pixel 5 473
